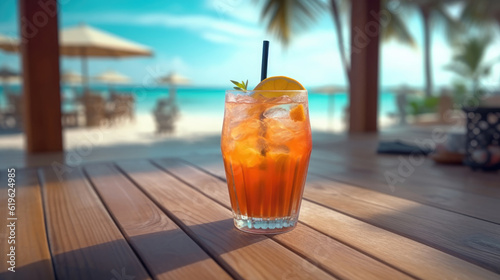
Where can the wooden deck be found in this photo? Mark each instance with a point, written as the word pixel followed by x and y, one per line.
pixel 170 218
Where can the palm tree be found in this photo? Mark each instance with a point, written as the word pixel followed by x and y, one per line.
pixel 433 12
pixel 394 29
pixel 285 15
pixel 481 13
pixel 282 16
pixel 340 39
pixel 468 61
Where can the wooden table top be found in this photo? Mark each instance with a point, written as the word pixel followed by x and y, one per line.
pixel 171 219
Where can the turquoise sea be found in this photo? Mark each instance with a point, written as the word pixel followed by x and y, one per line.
pixel 210 101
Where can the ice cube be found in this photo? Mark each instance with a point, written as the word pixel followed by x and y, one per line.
pixel 277 133
pixel 251 151
pixel 281 135
pixel 280 149
pixel 276 112
pixel 284 99
pixel 244 99
pixel 280 155
pixel 262 145
pixel 236 114
pixel 245 129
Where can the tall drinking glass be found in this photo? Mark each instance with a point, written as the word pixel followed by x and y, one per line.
pixel 266 144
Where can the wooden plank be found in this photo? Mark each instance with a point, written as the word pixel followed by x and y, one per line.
pixel 320 249
pixel 41 84
pixel 422 261
pixel 166 250
pixel 478 206
pixel 460 178
pixel 32 256
pixel 465 237
pixel 347 171
pixel 453 177
pixel 211 225
pixel 411 259
pixel 362 151
pixel 84 240
pixel 433 180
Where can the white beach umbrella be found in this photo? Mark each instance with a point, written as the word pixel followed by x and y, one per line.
pixel 71 77
pixel 7 73
pixel 8 44
pixel 7 76
pixel 173 80
pixel 330 89
pixel 85 41
pixel 112 77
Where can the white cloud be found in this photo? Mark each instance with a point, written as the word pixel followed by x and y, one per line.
pixel 311 64
pixel 312 58
pixel 241 10
pixel 210 28
pixel 198 22
pixel 317 39
pixel 218 38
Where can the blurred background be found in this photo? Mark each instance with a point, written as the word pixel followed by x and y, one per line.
pixel 154 72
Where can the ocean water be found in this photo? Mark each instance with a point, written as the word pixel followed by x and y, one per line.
pixel 210 101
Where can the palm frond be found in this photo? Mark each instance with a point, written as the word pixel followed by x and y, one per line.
pixel 459 69
pixel 453 27
pixel 469 56
pixel 286 17
pixel 481 13
pixel 396 29
pixel 404 8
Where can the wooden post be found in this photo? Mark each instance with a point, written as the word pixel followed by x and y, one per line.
pixel 41 89
pixel 366 25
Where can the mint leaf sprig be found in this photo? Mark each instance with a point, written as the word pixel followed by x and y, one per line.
pixel 240 86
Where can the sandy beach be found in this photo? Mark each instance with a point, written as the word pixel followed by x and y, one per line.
pixel 197 129
pixel 190 126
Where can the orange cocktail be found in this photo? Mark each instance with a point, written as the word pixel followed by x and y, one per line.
pixel 266 144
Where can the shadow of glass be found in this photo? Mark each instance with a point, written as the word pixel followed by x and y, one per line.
pixel 94 262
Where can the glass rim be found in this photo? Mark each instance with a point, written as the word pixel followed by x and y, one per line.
pixel 273 90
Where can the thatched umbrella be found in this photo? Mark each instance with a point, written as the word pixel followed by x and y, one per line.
pixel 8 44
pixel 71 77
pixel 173 80
pixel 112 77
pixel 85 41
pixel 7 75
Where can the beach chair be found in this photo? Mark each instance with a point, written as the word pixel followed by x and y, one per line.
pixel 3 118
pixel 165 114
pixel 120 108
pixel 69 119
pixel 12 117
pixel 95 109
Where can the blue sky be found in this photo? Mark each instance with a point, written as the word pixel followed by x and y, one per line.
pixel 213 41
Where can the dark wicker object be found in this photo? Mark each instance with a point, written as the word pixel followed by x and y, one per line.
pixel 483 137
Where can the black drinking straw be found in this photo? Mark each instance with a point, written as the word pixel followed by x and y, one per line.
pixel 265 54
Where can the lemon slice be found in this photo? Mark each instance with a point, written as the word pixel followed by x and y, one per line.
pixel 278 83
